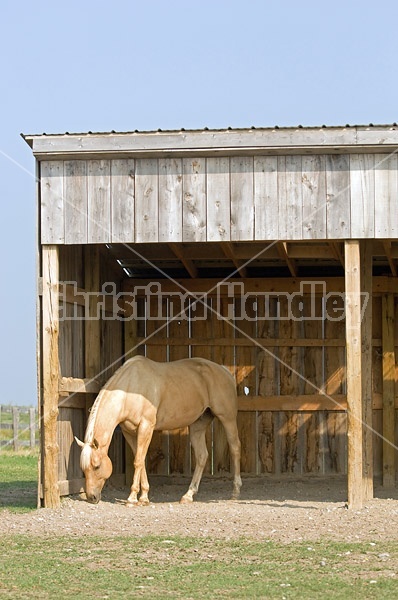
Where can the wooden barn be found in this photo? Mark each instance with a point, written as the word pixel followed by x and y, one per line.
pixel 272 251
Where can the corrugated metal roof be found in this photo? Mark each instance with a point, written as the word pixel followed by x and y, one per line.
pixel 215 130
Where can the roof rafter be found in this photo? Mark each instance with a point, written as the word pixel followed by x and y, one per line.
pixel 228 250
pixel 283 253
pixel 388 251
pixel 187 263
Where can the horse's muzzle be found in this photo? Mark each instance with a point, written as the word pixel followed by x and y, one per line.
pixel 93 498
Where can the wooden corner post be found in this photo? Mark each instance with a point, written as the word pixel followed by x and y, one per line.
pixel 50 366
pixel 354 372
pixel 366 256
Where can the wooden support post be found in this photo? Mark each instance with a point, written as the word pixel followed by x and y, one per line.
pixel 366 249
pixel 354 373
pixel 388 390
pixel 50 379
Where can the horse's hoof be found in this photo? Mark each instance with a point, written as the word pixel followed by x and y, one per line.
pixel 186 500
pixel 143 502
pixel 131 504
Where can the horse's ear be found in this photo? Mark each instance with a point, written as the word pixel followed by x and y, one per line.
pixel 79 442
pixel 95 444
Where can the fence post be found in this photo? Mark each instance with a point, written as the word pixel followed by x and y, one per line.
pixel 15 426
pixel 32 426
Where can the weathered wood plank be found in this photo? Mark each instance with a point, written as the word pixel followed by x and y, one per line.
pixel 218 200
pixel 75 385
pixel 282 199
pixel 52 202
pixel 287 285
pixel 146 201
pixel 362 180
pixel 354 374
pixel 202 323
pixel 242 198
pixel 92 338
pixel 338 202
pixel 314 197
pixel 70 424
pixel 122 200
pixel 389 378
pixel 263 140
pixel 50 366
pixel 336 423
pixel 179 445
pixel 158 452
pixel 223 355
pixel 244 341
pixel 170 200
pixel 266 197
pixel 290 213
pixel 386 195
pixel 294 201
pixel 295 402
pixel 246 379
pixel 366 351
pixel 194 200
pixel 75 201
pixel 267 366
pixel 99 202
pixel 312 446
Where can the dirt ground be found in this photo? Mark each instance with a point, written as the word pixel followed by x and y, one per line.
pixel 270 509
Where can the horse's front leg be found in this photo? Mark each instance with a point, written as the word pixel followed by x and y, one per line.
pixel 140 478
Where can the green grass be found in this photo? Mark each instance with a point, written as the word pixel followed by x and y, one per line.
pixel 18 480
pixel 156 567
pixel 83 567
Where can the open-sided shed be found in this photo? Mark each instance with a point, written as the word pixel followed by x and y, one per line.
pixel 272 251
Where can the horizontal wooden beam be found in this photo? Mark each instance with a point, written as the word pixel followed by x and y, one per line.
pixel 310 402
pixel 269 285
pixel 77 486
pixel 274 403
pixel 288 140
pixel 73 385
pixel 247 341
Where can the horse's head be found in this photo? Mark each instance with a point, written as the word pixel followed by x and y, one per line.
pixel 97 468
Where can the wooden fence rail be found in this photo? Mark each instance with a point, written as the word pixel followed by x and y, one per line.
pixel 23 424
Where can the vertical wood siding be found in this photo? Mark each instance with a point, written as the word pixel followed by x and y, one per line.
pixel 386 195
pixel 273 441
pixel 219 199
pixel 309 357
pixel 52 203
pixel 122 200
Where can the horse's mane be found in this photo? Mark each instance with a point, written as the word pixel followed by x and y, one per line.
pixel 85 456
pixel 89 437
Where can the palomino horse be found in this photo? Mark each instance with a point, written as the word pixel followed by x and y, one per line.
pixel 144 396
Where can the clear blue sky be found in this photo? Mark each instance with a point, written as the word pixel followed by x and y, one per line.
pixel 80 66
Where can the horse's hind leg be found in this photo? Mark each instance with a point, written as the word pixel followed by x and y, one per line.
pixel 231 431
pixel 197 433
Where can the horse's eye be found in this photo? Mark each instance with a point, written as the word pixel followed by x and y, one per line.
pixel 96 467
